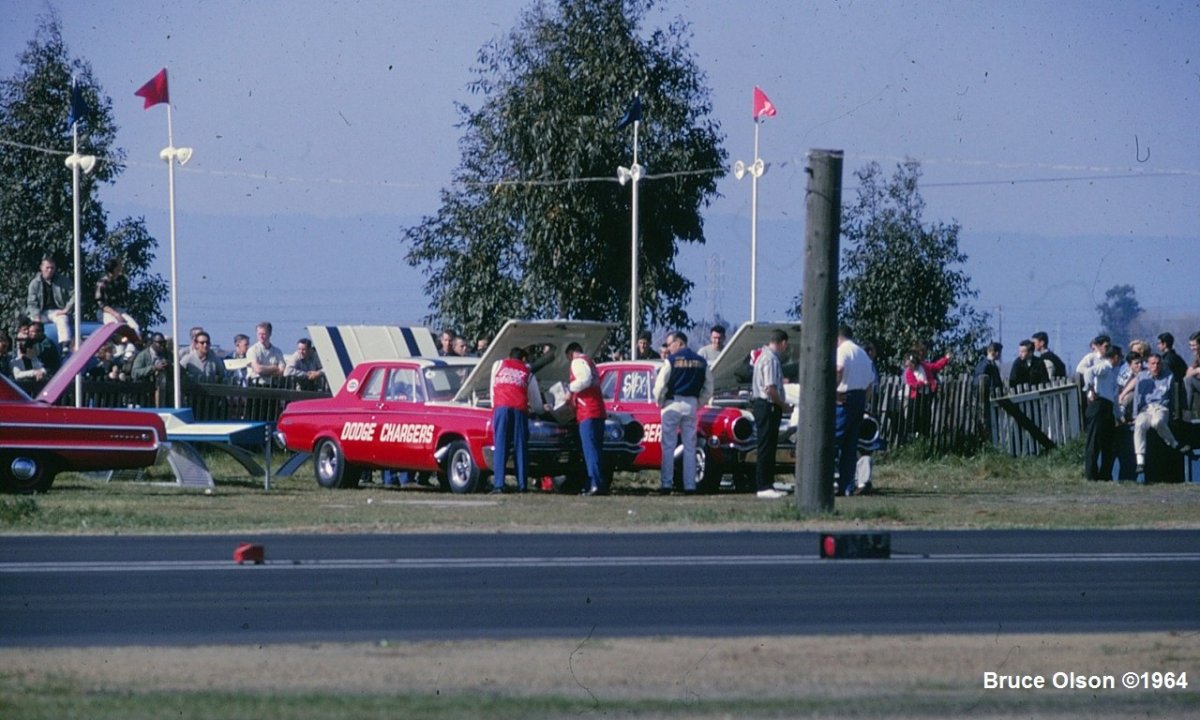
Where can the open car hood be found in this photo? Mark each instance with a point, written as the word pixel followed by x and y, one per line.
pixel 79 360
pixel 732 367
pixel 556 334
pixel 341 347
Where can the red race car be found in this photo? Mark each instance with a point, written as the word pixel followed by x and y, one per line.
pixel 38 439
pixel 434 415
pixel 726 439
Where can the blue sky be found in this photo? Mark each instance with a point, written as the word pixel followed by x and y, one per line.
pixel 1062 137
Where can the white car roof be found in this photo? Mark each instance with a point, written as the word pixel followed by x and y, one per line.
pixel 342 347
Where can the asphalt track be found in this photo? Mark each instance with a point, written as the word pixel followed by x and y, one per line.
pixel 186 590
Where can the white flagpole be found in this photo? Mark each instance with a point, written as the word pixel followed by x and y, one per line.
pixel 170 158
pixel 754 229
pixel 635 173
pixel 78 240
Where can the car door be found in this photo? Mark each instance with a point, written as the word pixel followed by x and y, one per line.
pixel 632 391
pixel 406 429
pixel 360 418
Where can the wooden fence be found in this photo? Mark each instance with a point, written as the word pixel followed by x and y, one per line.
pixel 964 413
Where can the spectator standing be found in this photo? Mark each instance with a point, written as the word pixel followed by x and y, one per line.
pixel 52 299
pixel 481 344
pixel 716 343
pixel 200 364
pixel 1028 369
pixel 584 384
pixel 644 349
pixel 768 403
pixel 6 356
pixel 920 375
pixel 1097 353
pixel 47 350
pixel 683 384
pixel 112 295
pixel 1191 380
pixel 1152 408
pixel 1173 364
pixel 446 342
pixel 1100 417
pixel 266 360
pixel 27 366
pixel 460 346
pixel 514 393
pixel 1055 367
pixel 153 365
pixel 855 375
pixel 989 367
pixel 304 365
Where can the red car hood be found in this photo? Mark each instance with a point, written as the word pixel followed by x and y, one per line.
pixel 80 359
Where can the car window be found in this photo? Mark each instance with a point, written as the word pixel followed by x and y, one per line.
pixel 373 387
pixel 442 383
pixel 402 385
pixel 636 386
pixel 608 385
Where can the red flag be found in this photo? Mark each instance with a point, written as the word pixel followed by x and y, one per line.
pixel 155 91
pixel 762 104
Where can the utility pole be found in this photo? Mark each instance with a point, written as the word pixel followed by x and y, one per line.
pixel 818 374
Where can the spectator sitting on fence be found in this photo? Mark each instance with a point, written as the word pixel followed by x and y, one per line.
pixel 989 367
pixel 1141 347
pixel 27 366
pixel 51 299
pixel 1099 349
pixel 266 360
pixel 1099 418
pixel 1027 369
pixel 1055 367
pixel 112 295
pixel 200 364
pixel 304 365
pixel 1152 407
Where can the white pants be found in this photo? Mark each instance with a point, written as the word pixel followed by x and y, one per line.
pixel 62 323
pixel 679 416
pixel 1153 416
pixel 126 318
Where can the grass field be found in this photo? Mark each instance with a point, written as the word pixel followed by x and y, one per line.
pixel 677 678
pixel 985 491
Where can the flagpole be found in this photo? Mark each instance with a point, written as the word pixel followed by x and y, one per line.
pixel 170 158
pixel 635 172
pixel 77 223
pixel 754 230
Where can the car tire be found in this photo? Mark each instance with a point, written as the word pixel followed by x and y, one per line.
pixel 708 472
pixel 460 472
pixel 330 466
pixel 25 473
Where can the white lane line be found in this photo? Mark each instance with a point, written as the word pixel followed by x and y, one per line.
pixel 574 562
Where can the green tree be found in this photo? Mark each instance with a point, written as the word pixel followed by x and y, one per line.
pixel 1118 312
pixel 35 184
pixel 535 224
pixel 902 281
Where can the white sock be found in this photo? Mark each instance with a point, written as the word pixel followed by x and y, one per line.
pixel 1141 459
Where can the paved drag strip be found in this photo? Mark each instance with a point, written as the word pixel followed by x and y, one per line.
pixel 573 562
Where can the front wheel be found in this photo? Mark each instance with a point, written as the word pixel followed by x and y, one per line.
pixel 459 470
pixel 331 468
pixel 25 473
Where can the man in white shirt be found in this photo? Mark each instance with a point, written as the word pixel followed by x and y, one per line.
pixel 855 375
pixel 266 360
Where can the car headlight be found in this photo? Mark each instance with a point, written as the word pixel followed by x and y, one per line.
pixel 612 430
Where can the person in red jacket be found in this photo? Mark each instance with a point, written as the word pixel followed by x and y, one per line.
pixel 514 393
pixel 584 385
pixel 921 378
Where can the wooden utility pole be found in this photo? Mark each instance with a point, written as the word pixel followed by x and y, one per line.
pixel 818 315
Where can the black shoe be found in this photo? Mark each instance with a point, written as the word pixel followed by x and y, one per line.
pixel 663 491
pixel 497 491
pixel 1185 450
pixel 1139 470
pixel 593 492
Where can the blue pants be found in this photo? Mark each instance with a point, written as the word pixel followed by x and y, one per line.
pixel 591 437
pixel 509 423
pixel 847 422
